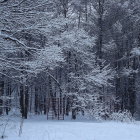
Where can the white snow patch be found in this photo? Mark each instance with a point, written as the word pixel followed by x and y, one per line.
pixel 41 129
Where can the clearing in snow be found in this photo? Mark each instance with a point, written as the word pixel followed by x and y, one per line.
pixel 41 129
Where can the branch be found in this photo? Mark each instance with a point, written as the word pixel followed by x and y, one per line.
pixel 56 81
pixel 25 47
pixel 33 8
pixel 18 4
pixel 9 77
pixel 3 1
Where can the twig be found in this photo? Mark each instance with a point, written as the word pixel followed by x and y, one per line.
pixel 21 126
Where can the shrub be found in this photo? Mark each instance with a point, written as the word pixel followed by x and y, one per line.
pixel 122 116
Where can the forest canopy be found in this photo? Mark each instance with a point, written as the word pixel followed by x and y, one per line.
pixel 83 52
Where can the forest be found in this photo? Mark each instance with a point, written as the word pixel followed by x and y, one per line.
pixel 70 58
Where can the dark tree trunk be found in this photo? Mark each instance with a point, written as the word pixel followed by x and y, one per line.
pixel 24 101
pixel 1 94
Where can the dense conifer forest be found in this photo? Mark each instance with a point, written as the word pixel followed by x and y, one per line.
pixel 70 58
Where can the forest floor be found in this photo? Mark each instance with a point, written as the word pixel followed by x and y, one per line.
pixel 37 128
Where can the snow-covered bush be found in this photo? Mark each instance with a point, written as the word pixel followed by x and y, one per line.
pixel 96 108
pixel 98 113
pixel 122 116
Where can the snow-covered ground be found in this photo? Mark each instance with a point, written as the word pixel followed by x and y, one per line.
pixel 41 129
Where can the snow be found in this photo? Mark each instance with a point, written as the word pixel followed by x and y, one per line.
pixel 41 129
pixel 48 57
pixel 135 51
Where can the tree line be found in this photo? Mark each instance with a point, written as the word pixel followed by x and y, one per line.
pixel 86 51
